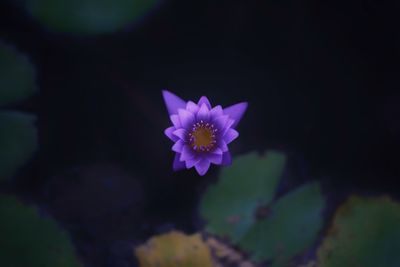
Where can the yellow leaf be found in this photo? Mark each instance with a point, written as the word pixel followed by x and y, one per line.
pixel 174 249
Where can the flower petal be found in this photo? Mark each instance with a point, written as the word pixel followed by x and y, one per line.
pixel 178 165
pixel 222 145
pixel 220 122
pixel 172 102
pixel 186 117
pixel 230 135
pixel 226 159
pixel 217 151
pixel 202 166
pixel 228 126
pixel 178 146
pixel 175 121
pixel 181 133
pixel 169 133
pixel 192 107
pixel 216 111
pixel 192 162
pixel 203 113
pixel 204 100
pixel 215 157
pixel 236 112
pixel 187 153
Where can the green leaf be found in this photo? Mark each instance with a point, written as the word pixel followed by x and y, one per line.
pixel 291 227
pixel 18 141
pixel 17 76
pixel 365 233
pixel 88 16
pixel 230 205
pixel 30 240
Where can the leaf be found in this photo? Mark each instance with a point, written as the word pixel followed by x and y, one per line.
pixel 17 76
pixel 229 206
pixel 291 228
pixel 365 233
pixel 88 16
pixel 30 240
pixel 18 141
pixel 174 249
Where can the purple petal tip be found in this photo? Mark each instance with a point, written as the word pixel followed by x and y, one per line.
pixel 173 102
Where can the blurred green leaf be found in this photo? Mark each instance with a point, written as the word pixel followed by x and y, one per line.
pixel 365 233
pixel 230 205
pixel 17 76
pixel 18 141
pixel 88 16
pixel 290 228
pixel 28 240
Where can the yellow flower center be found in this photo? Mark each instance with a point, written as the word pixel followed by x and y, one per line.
pixel 202 136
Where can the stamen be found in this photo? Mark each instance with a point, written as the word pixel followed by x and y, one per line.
pixel 202 138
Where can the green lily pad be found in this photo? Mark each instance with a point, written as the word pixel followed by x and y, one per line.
pixel 365 233
pixel 17 76
pixel 88 16
pixel 18 141
pixel 27 239
pixel 230 205
pixel 291 227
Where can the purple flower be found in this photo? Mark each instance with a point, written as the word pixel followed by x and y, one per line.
pixel 201 133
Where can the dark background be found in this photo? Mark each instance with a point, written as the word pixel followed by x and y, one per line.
pixel 321 79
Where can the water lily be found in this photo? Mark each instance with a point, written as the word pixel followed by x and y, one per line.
pixel 201 133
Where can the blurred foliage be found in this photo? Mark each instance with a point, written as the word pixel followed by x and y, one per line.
pixel 365 232
pixel 88 16
pixel 251 181
pixel 225 255
pixel 174 249
pixel 240 206
pixel 290 228
pixel 18 134
pixel 17 76
pixel 27 239
pixel 18 141
pixel 103 199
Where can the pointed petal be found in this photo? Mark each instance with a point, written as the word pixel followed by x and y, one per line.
pixel 202 166
pixel 203 113
pixel 222 144
pixel 192 107
pixel 172 102
pixel 215 157
pixel 178 165
pixel 230 135
pixel 178 146
pixel 169 133
pixel 217 151
pixel 220 122
pixel 181 133
pixel 228 126
pixel 186 118
pixel 187 153
pixel 204 100
pixel 236 112
pixel 216 111
pixel 192 162
pixel 226 158
pixel 175 121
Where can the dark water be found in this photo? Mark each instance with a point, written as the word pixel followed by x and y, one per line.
pixel 321 79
